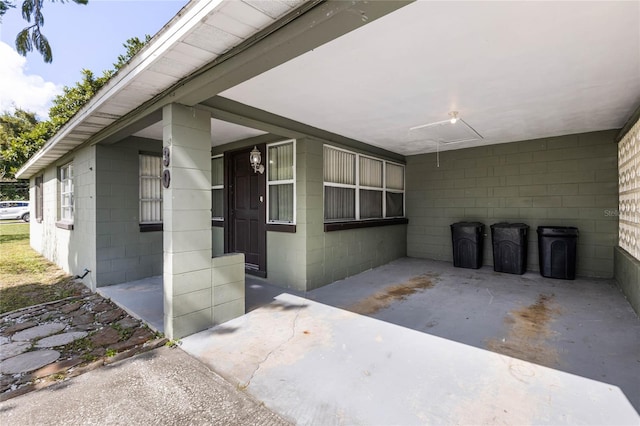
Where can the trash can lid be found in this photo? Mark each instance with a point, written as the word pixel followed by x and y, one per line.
pixel 510 225
pixel 467 224
pixel 568 231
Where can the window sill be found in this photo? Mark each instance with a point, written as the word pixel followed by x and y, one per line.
pixel 357 224
pixel 281 227
pixel 150 227
pixel 216 223
pixel 65 225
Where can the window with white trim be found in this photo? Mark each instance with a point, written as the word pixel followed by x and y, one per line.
pixel 150 188
pixel 361 187
pixel 394 190
pixel 66 192
pixel 281 182
pixel 217 187
pixel 39 197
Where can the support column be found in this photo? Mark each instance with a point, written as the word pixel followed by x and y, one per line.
pixel 186 210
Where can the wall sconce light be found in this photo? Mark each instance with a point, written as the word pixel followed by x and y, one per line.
pixel 454 117
pixel 255 158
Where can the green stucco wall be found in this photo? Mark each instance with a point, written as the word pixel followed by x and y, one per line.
pixel 564 181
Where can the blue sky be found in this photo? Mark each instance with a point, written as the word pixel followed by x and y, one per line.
pixel 89 36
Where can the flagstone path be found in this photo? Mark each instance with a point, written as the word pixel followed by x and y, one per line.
pixel 43 344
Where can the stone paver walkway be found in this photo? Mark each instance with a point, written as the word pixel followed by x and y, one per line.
pixel 43 344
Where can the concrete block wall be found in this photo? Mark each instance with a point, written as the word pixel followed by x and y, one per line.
pixel 186 211
pixel 217 241
pixel 335 255
pixel 73 250
pixel 561 181
pixel 228 287
pixel 286 252
pixel 627 272
pixel 311 257
pixel 627 255
pixel 123 252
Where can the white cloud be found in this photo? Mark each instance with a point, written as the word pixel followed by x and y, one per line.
pixel 17 89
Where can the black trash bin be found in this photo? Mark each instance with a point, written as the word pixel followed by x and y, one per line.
pixel 557 251
pixel 467 239
pixel 509 247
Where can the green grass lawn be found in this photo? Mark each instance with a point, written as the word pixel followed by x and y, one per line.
pixel 27 278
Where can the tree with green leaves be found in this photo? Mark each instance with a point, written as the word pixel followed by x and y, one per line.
pixel 14 150
pixel 31 36
pixel 22 134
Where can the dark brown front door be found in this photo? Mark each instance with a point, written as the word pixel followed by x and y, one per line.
pixel 247 211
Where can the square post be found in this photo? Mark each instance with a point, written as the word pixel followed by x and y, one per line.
pixel 186 210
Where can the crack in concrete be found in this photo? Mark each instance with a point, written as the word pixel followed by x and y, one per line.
pixel 293 333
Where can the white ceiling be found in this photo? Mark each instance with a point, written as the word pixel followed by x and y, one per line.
pixel 514 71
pixel 222 132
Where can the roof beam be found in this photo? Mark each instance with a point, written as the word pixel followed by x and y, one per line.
pixel 245 115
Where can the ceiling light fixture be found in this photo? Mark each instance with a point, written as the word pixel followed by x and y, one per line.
pixel 454 117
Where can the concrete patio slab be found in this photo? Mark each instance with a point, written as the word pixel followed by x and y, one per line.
pixel 141 299
pixel 160 387
pixel 583 327
pixel 316 364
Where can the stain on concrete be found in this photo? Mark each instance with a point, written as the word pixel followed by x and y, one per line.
pixel 385 297
pixel 528 333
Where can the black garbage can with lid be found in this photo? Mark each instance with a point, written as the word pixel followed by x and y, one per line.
pixel 467 239
pixel 509 247
pixel 557 251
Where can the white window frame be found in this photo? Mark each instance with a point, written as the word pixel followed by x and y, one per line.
pixel 148 177
pixel 369 188
pixel 357 187
pixel 282 182
pixel 395 191
pixel 216 218
pixel 343 185
pixel 66 170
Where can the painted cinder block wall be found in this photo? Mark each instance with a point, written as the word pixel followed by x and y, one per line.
pixel 286 253
pixel 562 181
pixel 332 256
pixel 123 253
pixel 71 249
pixel 311 257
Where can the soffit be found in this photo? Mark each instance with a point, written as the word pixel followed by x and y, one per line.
pixel 196 36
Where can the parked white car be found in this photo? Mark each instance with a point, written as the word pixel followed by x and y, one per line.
pixel 14 210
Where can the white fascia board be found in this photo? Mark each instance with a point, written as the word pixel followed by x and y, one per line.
pixel 167 37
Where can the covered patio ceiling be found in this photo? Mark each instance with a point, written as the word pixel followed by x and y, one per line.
pixel 513 71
